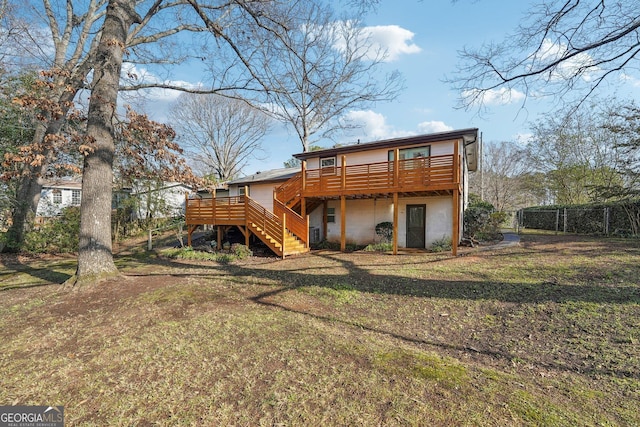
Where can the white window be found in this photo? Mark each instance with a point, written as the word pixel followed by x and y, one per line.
pixel 242 190
pixel 75 197
pixel 331 215
pixel 57 196
pixel 328 162
pixel 412 153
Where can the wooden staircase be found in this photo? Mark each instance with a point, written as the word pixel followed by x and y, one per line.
pixel 284 231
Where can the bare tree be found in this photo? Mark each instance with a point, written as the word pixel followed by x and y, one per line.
pixel 503 163
pixel 323 68
pixel 220 134
pixel 577 153
pixel 566 49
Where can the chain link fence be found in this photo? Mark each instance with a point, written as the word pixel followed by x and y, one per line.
pixel 615 220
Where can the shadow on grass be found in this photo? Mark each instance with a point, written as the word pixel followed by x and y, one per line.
pixel 44 276
pixel 359 277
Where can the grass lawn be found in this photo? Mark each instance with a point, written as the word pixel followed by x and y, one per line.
pixel 545 333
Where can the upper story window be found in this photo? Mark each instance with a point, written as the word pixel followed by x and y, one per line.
pixel 328 162
pixel 243 190
pixel 57 196
pixel 75 197
pixel 412 153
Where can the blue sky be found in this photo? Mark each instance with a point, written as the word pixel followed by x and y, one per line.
pixel 423 38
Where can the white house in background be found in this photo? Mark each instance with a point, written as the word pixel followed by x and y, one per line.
pixel 159 200
pixel 57 194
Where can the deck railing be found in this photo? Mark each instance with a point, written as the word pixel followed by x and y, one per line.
pixel 290 190
pixel 422 174
pixel 222 211
pixel 295 223
pixel 270 224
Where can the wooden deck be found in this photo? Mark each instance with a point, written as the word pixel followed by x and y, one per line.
pixel 414 176
pixel 284 231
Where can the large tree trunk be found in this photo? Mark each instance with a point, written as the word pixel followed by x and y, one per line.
pixel 95 260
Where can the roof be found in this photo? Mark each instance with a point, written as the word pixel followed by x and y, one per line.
pixel 166 186
pixel 470 135
pixel 66 182
pixel 273 175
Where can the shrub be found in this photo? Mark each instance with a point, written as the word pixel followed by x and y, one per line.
pixel 58 235
pixel 385 231
pixel 482 222
pixel 441 245
pixel 190 253
pixel 379 247
pixel 241 251
pixel 325 244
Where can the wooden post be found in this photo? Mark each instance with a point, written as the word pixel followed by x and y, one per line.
pixel 396 168
pixel 395 223
pixel 303 169
pixel 343 223
pixel 308 240
pixel 344 172
pixel 219 238
pixel 284 232
pixel 456 164
pixel 213 206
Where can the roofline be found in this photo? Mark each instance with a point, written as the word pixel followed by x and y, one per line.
pixel 255 178
pixel 395 142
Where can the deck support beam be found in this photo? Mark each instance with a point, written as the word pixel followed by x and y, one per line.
pixel 190 231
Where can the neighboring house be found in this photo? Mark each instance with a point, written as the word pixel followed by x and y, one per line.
pixel 57 194
pixel 418 183
pixel 159 199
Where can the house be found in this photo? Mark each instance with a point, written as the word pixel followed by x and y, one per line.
pixel 57 194
pixel 158 200
pixel 418 183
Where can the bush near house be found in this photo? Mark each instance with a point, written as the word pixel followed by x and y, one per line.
pixel 482 221
pixel 57 235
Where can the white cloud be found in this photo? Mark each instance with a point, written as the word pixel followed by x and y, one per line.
pixel 634 81
pixel 581 63
pixel 155 102
pixel 392 39
pixel 502 96
pixel 373 126
pixel 433 126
